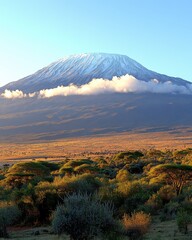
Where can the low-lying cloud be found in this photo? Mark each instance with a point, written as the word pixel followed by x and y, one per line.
pixel 123 84
pixel 13 94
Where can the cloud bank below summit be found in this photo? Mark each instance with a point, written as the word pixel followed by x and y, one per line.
pixel 123 84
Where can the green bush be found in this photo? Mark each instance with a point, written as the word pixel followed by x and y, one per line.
pixel 80 183
pixel 51 165
pixel 134 194
pixel 86 168
pixel 154 203
pixel 108 193
pixel 66 170
pixel 33 168
pixel 169 211
pixel 9 213
pixel 128 155
pixel 166 193
pixel 136 168
pixel 22 173
pixel 183 219
pixel 83 217
pixel 122 175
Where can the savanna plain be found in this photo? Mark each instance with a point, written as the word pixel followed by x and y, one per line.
pixel 134 185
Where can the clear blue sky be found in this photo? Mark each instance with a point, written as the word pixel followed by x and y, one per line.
pixel 156 33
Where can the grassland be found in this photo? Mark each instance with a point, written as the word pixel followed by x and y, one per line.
pixel 94 145
pixel 110 169
pixel 166 230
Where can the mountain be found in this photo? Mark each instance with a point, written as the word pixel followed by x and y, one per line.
pixel 82 68
pixel 34 118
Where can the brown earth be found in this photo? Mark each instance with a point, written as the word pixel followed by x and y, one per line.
pixel 167 230
pixel 95 145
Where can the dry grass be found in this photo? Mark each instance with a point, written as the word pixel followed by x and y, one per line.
pixel 29 234
pixel 167 230
pixel 95 145
pixel 139 221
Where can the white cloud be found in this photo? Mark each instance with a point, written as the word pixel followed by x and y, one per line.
pixel 13 94
pixel 31 95
pixel 123 84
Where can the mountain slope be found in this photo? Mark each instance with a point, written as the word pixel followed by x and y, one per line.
pixel 35 118
pixel 82 68
pixel 74 116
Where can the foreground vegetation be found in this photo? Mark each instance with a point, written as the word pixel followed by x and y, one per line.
pixel 108 197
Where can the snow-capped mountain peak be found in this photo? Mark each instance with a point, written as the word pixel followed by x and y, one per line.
pixel 82 68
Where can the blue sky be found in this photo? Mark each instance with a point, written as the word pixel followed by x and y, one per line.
pixel 156 33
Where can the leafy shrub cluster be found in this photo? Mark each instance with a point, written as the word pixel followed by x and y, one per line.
pixel 136 225
pixel 85 197
pixel 83 217
pixel 9 213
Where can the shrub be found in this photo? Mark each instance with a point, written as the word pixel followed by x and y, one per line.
pixel 86 168
pixel 8 214
pixel 108 171
pixel 108 193
pixel 122 175
pixel 48 195
pixel 154 203
pixel 136 225
pixel 128 188
pixel 136 168
pixel 169 211
pixel 24 172
pixel 134 194
pixel 75 163
pixel 166 193
pixel 26 200
pixel 83 217
pixel 187 205
pixel 32 168
pixel 66 170
pixel 51 165
pixel 128 155
pixel 183 219
pixel 154 154
pixel 80 183
pixel 176 175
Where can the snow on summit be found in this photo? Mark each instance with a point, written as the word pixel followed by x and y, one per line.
pixel 80 69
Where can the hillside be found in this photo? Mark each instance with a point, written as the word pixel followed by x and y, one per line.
pixel 74 116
